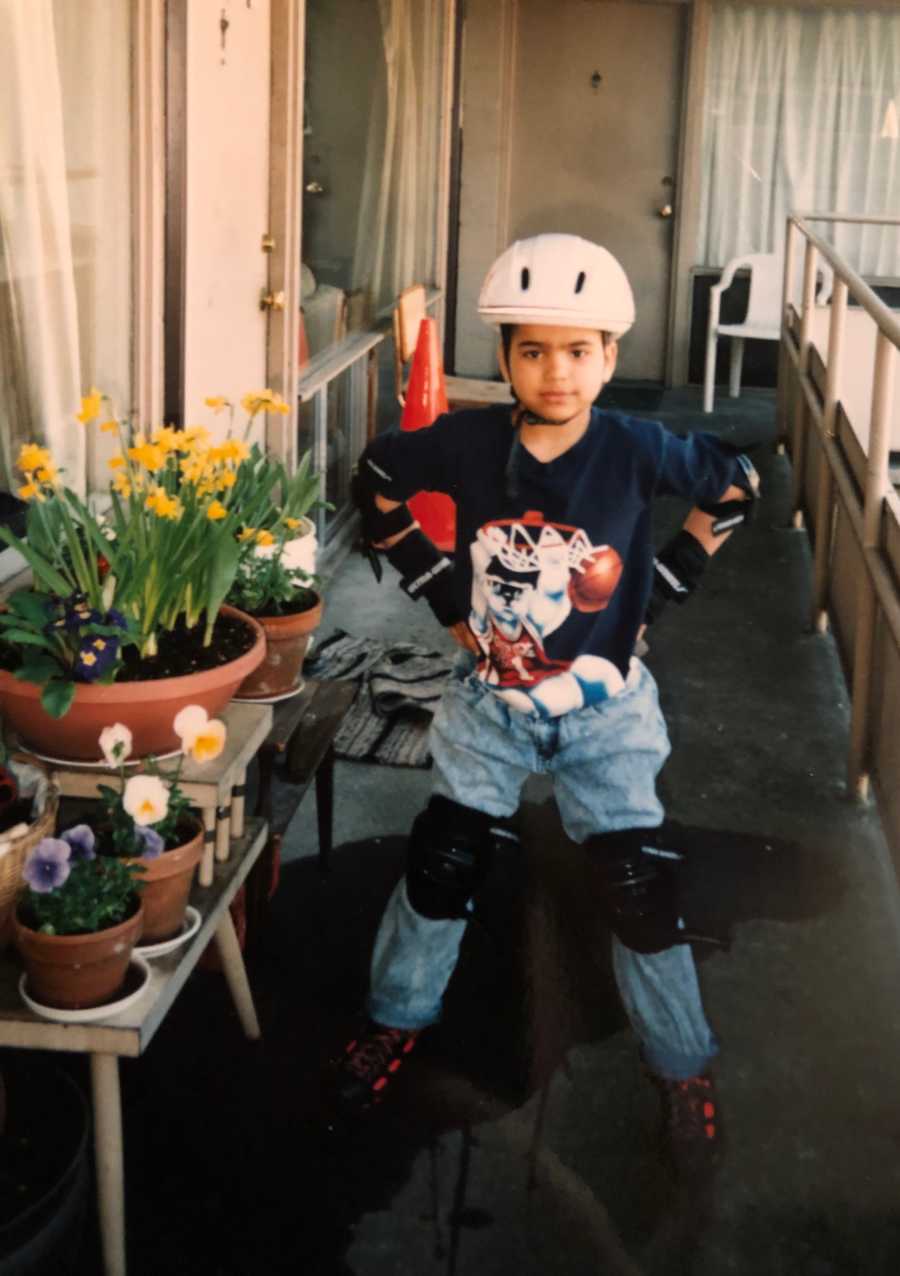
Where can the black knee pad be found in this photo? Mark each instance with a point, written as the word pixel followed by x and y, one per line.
pixel 640 889
pixel 447 858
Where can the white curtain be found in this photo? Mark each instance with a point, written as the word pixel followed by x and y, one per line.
pixel 39 351
pixel 801 114
pixel 396 226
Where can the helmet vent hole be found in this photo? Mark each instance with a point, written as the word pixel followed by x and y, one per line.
pixel 579 282
pixel 526 278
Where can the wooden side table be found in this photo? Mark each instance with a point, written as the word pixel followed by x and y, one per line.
pixel 130 1032
pixel 216 787
pixel 302 732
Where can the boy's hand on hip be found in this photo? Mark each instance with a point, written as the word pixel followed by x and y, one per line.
pixel 463 635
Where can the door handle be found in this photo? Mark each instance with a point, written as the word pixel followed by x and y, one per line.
pixel 272 300
pixel 665 211
pixel 314 188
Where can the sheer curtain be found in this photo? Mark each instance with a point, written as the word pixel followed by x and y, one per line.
pixel 397 212
pixel 65 226
pixel 39 350
pixel 801 113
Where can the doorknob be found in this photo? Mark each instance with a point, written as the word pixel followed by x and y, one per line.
pixel 665 211
pixel 272 301
pixel 314 188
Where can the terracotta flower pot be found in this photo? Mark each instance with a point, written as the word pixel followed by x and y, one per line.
pixel 72 972
pixel 148 709
pixel 167 884
pixel 287 642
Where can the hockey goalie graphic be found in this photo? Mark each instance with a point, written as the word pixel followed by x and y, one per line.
pixel 528 577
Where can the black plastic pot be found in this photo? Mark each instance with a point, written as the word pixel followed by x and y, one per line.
pixel 45 1160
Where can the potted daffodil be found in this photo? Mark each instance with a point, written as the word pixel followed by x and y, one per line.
pixel 128 601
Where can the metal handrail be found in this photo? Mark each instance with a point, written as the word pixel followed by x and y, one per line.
pixel 876 587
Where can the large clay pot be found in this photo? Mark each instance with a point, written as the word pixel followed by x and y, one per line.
pixel 287 642
pixel 167 884
pixel 72 972
pixel 148 709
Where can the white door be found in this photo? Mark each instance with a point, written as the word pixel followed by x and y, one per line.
pixel 596 114
pixel 227 96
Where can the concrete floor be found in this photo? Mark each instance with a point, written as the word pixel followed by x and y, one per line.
pixel 521 1137
pixel 556 1173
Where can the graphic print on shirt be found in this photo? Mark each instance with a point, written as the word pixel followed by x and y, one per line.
pixel 528 579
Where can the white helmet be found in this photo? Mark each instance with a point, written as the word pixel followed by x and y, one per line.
pixel 562 280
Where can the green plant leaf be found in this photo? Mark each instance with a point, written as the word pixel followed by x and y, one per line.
pixel 28 639
pixel 57 697
pixel 29 606
pixel 43 570
pixel 38 670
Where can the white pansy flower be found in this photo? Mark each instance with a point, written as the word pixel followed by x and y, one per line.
pixel 115 743
pixel 188 723
pixel 146 799
pixel 209 741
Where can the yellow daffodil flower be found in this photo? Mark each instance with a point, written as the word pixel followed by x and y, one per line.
pixel 30 492
pixel 264 537
pixel 291 523
pixel 150 455
pixel 90 406
pixel 32 457
pixel 195 436
pixel 109 427
pixel 47 473
pixel 247 534
pixel 162 504
pixel 122 484
pixel 216 510
pixel 166 438
pixel 227 478
pixel 217 402
pixel 116 462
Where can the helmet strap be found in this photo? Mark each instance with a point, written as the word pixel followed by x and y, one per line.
pixel 526 417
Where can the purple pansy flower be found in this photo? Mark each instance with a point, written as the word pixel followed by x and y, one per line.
pixel 48 865
pixel 154 844
pixel 82 841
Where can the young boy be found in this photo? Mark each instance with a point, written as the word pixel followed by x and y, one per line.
pixel 554 578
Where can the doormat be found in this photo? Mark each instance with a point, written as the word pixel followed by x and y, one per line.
pixel 635 397
pixel 400 685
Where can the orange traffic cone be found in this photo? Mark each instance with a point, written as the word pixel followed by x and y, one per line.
pixel 426 399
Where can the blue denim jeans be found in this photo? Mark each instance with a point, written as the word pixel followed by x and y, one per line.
pixel 604 760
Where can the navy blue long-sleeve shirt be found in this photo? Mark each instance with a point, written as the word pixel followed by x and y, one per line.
pixel 554 560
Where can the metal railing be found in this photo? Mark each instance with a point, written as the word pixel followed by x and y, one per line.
pixel 842 486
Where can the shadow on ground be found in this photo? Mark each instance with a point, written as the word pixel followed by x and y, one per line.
pixel 232 1168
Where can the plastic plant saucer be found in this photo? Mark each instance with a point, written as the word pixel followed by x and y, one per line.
pixel 189 928
pixel 136 980
pixel 101 764
pixel 283 695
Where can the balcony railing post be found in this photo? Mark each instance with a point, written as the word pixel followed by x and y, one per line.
pixel 877 486
pixel 320 452
pixel 798 446
pixel 825 493
pixel 781 412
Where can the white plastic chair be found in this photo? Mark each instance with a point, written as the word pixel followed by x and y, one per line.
pixel 762 321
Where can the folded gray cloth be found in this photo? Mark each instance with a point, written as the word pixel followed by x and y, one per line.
pixel 400 686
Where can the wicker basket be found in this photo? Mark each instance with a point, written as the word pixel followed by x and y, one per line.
pixel 12 863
